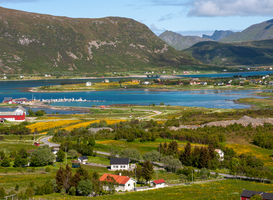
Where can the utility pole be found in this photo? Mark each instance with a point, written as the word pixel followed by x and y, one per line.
pixel 192 175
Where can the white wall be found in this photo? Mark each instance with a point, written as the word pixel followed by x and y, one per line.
pixel 118 167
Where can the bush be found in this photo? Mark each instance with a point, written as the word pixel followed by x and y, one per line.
pixel 72 191
pixel 47 169
pixel 2 192
pixel 16 187
pixel 29 192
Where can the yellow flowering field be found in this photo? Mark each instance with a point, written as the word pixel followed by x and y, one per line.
pixel 50 124
pixel 263 154
pixel 84 124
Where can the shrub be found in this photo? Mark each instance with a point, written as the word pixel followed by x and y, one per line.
pixel 47 169
pixel 72 191
pixel 16 187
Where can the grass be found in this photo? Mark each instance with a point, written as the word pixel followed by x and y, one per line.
pixel 226 189
pixel 261 103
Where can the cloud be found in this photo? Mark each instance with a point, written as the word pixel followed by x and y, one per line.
pixel 210 8
pixel 167 17
pixel 17 1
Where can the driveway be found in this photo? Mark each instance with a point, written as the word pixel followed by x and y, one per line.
pixel 46 142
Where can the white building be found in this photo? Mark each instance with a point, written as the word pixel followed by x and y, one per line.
pixel 146 83
pixel 119 163
pixel 221 154
pixel 125 183
pixel 88 83
pixel 158 183
pixel 83 159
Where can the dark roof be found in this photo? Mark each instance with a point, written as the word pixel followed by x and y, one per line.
pixel 267 196
pixel 119 161
pixel 249 193
pixel 83 157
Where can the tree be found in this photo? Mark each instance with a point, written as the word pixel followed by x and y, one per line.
pixel 97 185
pixel 60 155
pixel 44 156
pixel 204 158
pixel 138 172
pixel 185 157
pixel 18 161
pixel 110 183
pixel 147 171
pixel 132 154
pixel 60 177
pixel 74 181
pixel 91 142
pixel 2 155
pixel 29 192
pixel 5 163
pixel 23 153
pixel 152 156
pixel 171 163
pixel 2 193
pixel 72 191
pixel 172 148
pixel 256 197
pixel 40 113
pixel 85 187
pixel 72 153
pixel 68 175
pixel 234 166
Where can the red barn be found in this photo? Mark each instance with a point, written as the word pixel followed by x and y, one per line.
pixel 247 194
pixel 18 115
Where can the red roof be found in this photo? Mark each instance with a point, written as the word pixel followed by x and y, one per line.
pixel 119 179
pixel 159 181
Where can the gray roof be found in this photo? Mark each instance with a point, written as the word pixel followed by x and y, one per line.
pixel 249 193
pixel 119 161
pixel 83 158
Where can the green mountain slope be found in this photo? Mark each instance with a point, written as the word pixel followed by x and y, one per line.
pixel 231 54
pixel 180 42
pixel 35 43
pixel 259 31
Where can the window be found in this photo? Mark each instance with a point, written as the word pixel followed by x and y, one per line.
pixel 128 185
pixel 123 166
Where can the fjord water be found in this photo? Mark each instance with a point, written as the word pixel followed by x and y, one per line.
pixel 199 98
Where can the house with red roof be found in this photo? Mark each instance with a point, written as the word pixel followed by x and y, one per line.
pixel 158 183
pixel 125 183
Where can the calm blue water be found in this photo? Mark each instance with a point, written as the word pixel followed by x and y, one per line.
pixel 202 98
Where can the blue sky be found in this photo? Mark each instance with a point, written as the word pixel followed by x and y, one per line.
pixel 189 17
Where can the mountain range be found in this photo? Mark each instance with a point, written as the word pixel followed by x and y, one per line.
pixel 231 54
pixel 218 35
pixel 37 43
pixel 259 31
pixel 180 42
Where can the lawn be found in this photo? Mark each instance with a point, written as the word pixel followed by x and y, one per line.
pixel 226 189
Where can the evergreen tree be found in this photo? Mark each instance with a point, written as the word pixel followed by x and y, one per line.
pixel 211 151
pixel 74 181
pixel 204 158
pixel 172 148
pixel 2 193
pixel 147 170
pixel 68 175
pixel 60 177
pixel 60 155
pixel 185 157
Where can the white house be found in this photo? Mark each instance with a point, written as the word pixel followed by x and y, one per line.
pixel 119 163
pixel 125 183
pixel 55 150
pixel 88 83
pixel 83 159
pixel 220 153
pixel 106 81
pixel 158 183
pixel 146 83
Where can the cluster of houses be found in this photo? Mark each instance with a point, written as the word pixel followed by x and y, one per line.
pixel 18 115
pixel 10 100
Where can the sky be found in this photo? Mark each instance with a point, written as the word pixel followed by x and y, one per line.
pixel 188 17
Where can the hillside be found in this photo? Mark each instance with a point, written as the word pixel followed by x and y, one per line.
pixel 231 54
pixel 36 43
pixel 180 42
pixel 218 35
pixel 259 31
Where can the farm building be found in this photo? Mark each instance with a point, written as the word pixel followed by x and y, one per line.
pixel 247 194
pixel 125 183
pixel 18 115
pixel 119 163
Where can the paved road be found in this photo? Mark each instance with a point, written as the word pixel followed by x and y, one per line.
pixel 46 142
